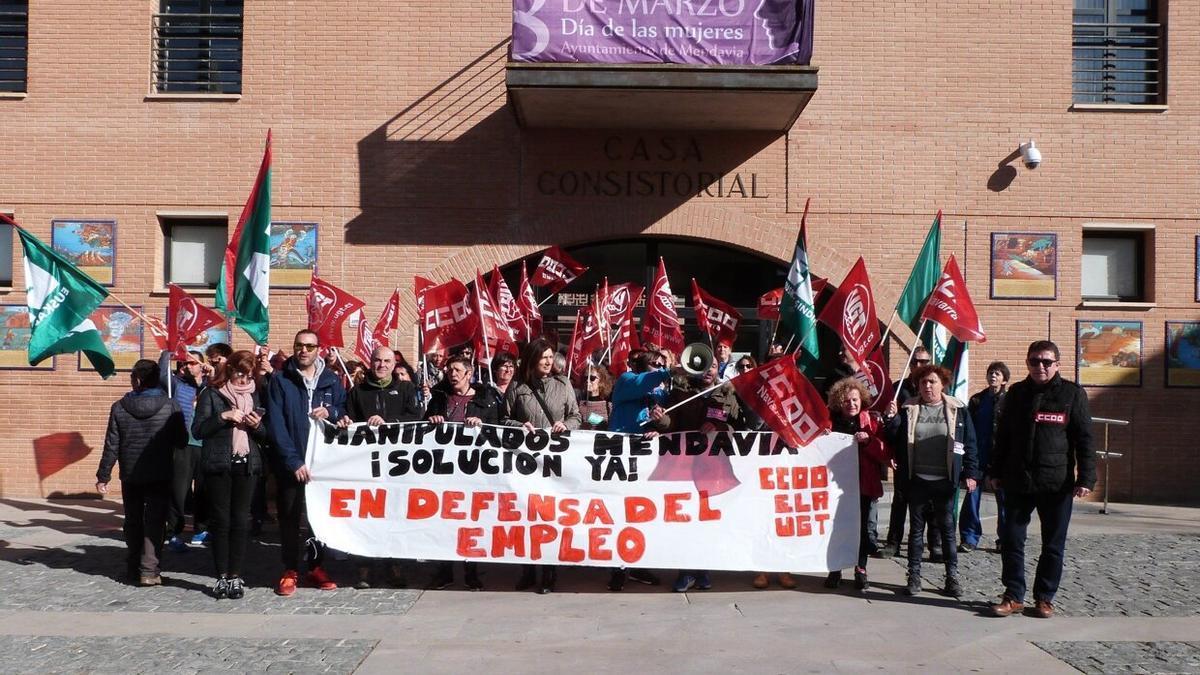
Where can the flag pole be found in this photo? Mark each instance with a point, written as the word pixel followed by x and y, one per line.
pixel 888 330
pixel 691 398
pixel 908 363
pixel 345 370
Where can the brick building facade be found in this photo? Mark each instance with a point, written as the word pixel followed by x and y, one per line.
pixel 392 130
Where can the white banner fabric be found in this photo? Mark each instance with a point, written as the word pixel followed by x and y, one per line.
pixel 717 501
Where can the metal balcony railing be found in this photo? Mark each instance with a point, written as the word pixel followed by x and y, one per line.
pixel 14 46
pixel 197 53
pixel 1118 63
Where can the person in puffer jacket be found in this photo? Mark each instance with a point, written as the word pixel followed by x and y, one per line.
pixel 145 428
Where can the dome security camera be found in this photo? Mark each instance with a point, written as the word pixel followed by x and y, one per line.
pixel 1031 155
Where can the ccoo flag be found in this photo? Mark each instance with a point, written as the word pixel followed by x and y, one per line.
pixel 242 290
pixel 60 298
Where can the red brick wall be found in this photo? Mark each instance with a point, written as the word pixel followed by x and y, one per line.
pixel 391 131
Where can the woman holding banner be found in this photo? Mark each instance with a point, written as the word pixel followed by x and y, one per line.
pixel 935 450
pixel 229 422
pixel 848 402
pixel 538 399
pixel 473 405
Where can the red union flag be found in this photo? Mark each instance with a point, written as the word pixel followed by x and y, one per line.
pixel 624 341
pixel 328 308
pixel 851 312
pixel 366 344
pixel 507 305
pixel 447 316
pixel 660 325
pixel 785 400
pixel 874 373
pixel 529 306
pixel 493 335
pixel 159 331
pixel 556 270
pixel 586 338
pixel 768 304
pixel 187 319
pixel 621 298
pixel 389 320
pixel 575 348
pixel 716 317
pixel 950 305
pixel 420 285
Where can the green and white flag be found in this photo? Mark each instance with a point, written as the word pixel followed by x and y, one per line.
pixel 243 289
pixel 60 300
pixel 798 312
pixel 926 272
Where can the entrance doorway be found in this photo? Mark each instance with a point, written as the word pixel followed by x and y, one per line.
pixel 735 276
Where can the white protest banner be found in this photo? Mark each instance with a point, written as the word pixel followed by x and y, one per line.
pixel 719 501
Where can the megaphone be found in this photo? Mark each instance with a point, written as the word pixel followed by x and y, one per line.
pixel 697 358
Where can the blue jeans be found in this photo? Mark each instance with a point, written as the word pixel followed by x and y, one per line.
pixel 1054 514
pixel 970 525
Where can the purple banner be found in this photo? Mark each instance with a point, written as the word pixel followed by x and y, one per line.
pixel 706 32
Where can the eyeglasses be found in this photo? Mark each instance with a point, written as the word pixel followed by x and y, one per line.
pixel 1045 363
pixel 301 346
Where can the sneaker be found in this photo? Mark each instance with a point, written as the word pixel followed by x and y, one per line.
pixel 442 578
pixel 786 581
pixel 684 583
pixel 703 583
pixel 287 583
pixel 914 584
pixel 760 581
pixel 472 581
pixel 149 580
pixel 318 578
pixel 833 580
pixel 966 548
pixel 236 588
pixel 220 590
pixel 616 582
pixel 861 581
pixel 953 587
pixel 177 545
pixel 644 577
pixel 364 579
pixel 199 538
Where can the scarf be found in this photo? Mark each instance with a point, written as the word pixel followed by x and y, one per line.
pixel 242 398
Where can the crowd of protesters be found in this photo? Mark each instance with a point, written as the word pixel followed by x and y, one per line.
pixel 234 418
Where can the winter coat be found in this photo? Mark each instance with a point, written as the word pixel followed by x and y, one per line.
pixel 216 434
pixel 985 438
pixel 629 398
pixel 902 431
pixel 559 395
pixel 145 428
pixel 397 402
pixel 1043 441
pixel 183 390
pixel 873 454
pixel 720 407
pixel 288 407
pixel 487 404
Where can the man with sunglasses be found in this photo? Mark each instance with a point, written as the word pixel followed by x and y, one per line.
pixel 300 394
pixel 1042 457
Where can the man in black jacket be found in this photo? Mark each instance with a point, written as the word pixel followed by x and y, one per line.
pixel 382 399
pixel 1042 457
pixel 145 428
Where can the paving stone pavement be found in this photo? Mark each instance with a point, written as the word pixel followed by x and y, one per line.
pixel 1104 575
pixel 179 656
pixel 1127 657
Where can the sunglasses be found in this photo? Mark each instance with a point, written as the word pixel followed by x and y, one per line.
pixel 744 366
pixel 660 364
pixel 1045 363
pixel 301 346
pixel 922 362
pixel 593 378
